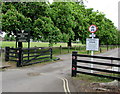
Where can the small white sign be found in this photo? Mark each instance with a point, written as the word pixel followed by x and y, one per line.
pixel 92 44
pixel 92 35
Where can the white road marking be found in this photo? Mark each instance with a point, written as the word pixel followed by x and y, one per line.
pixel 65 85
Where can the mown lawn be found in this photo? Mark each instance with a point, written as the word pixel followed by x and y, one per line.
pixel 37 44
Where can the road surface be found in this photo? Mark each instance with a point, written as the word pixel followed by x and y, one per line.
pixel 53 77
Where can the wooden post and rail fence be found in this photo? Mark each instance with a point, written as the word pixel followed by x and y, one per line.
pixel 28 56
pixel 76 66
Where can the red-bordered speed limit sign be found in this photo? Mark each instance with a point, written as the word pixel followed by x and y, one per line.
pixel 92 28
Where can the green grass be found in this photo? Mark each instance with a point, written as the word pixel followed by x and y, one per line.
pixel 89 78
pixel 56 47
pixel 37 44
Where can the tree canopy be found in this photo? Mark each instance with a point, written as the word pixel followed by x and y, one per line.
pixel 59 21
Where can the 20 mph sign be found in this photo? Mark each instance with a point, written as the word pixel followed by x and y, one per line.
pixel 93 28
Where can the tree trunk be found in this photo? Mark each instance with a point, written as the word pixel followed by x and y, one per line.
pixel 20 44
pixel 69 43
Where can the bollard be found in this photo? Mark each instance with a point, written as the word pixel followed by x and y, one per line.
pixel 74 64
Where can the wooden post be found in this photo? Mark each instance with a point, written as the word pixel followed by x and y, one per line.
pixel 87 52
pixel 100 49
pixel 7 50
pixel 19 63
pixel 79 48
pixel 107 47
pixel 75 48
pixel 51 53
pixel 68 49
pixel 28 49
pixel 60 49
pixel 74 64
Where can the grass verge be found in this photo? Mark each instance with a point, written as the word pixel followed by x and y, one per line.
pixel 92 79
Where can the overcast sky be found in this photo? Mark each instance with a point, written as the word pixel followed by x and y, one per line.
pixel 108 7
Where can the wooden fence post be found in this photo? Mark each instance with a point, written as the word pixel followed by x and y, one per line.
pixel 68 49
pixel 74 63
pixel 7 50
pixel 100 49
pixel 79 48
pixel 60 49
pixel 51 53
pixel 19 63
pixel 107 47
pixel 75 48
pixel 87 52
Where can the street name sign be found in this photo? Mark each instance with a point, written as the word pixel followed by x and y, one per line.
pixel 92 44
pixel 22 37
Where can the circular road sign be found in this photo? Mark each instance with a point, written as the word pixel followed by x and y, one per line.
pixel 92 28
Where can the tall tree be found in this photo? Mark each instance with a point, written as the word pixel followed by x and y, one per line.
pixel 46 30
pixel 13 22
pixel 62 16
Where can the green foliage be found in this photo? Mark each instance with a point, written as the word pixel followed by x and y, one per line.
pixel 45 28
pixel 59 21
pixel 9 38
pixel 62 16
pixel 13 21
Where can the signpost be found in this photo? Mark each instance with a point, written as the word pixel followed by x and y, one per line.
pixel 24 37
pixel 92 44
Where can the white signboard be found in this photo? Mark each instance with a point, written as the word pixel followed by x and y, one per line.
pixel 92 44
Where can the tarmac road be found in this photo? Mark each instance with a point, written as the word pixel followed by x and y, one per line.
pixel 52 77
pixel 47 78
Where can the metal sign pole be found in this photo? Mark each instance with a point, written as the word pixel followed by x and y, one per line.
pixel 92 29
pixel 92 53
pixel 28 44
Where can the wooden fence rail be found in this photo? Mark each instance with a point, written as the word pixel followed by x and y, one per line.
pixel 24 56
pixel 75 66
